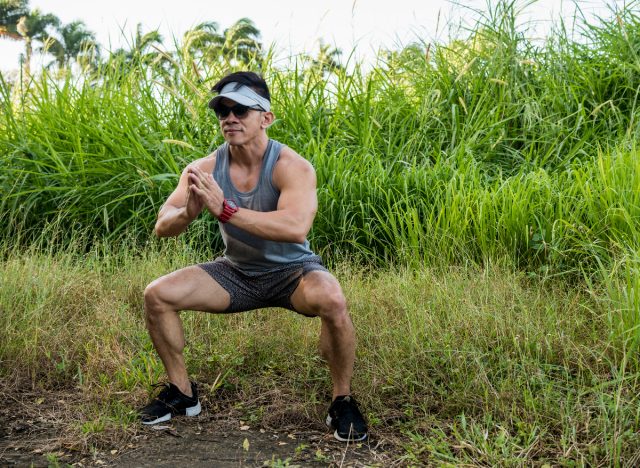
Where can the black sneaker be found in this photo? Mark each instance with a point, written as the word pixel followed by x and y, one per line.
pixel 171 402
pixel 345 417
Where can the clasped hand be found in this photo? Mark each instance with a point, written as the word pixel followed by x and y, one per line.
pixel 205 190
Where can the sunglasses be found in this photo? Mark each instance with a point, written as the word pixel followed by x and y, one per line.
pixel 238 110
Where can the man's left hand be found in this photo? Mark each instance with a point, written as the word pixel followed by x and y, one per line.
pixel 203 184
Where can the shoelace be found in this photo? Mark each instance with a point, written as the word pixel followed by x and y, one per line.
pixel 166 390
pixel 164 394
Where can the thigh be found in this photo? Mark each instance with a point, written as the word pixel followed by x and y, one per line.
pixel 317 289
pixel 191 288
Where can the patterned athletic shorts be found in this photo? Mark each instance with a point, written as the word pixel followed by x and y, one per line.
pixel 259 290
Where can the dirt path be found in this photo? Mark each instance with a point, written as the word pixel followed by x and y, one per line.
pixel 35 432
pixel 198 444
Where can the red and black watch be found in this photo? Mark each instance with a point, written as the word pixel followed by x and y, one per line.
pixel 228 208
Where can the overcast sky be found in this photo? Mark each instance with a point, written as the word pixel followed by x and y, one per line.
pixel 295 26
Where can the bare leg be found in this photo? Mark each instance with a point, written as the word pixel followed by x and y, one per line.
pixel 190 288
pixel 319 293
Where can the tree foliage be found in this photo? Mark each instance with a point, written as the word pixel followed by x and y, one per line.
pixel 73 42
pixel 10 13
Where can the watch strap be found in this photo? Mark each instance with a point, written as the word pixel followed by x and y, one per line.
pixel 228 209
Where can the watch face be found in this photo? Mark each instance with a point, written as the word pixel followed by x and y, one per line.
pixel 231 204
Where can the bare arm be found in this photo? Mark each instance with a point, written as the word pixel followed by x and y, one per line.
pixel 297 205
pixel 182 206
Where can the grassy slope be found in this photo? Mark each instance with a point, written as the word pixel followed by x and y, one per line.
pixel 472 364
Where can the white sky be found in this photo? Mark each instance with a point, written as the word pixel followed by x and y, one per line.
pixel 294 26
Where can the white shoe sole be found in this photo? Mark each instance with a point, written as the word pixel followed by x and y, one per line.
pixel 193 411
pixel 338 437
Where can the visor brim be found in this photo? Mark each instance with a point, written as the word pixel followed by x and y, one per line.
pixel 235 97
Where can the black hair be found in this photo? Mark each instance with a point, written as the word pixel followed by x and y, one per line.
pixel 247 78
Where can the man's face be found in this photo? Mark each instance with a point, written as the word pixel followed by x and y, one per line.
pixel 241 128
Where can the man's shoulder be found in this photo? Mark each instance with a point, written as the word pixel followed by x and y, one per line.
pixel 206 163
pixel 291 169
pixel 289 158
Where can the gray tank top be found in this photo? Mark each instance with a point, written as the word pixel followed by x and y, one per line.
pixel 248 252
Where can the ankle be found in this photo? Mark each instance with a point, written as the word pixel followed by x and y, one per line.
pixel 339 391
pixel 185 389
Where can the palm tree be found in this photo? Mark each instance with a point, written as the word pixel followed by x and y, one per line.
pixel 35 26
pixel 198 42
pixel 144 56
pixel 241 41
pixel 10 13
pixel 74 42
pixel 328 59
pixel 139 51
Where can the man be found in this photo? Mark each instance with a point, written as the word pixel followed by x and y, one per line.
pixel 264 197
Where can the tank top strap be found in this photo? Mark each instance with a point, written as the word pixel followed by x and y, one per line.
pixel 270 159
pixel 222 162
pixel 272 153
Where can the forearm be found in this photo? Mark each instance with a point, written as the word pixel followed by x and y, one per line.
pixel 279 226
pixel 172 221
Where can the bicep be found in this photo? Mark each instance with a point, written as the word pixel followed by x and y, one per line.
pixel 298 192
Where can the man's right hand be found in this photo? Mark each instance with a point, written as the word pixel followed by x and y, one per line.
pixel 194 205
pixel 184 204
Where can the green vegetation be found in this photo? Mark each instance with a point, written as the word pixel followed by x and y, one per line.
pixel 488 147
pixel 513 371
pixel 486 193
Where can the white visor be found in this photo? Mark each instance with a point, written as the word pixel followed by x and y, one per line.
pixel 242 95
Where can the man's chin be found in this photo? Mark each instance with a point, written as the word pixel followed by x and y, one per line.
pixel 234 140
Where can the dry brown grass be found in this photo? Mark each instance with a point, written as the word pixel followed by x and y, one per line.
pixel 479 365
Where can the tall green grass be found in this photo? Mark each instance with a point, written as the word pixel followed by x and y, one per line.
pixel 515 371
pixel 486 145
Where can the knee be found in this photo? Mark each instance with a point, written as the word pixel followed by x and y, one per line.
pixel 332 307
pixel 153 303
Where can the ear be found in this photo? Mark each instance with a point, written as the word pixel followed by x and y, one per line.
pixel 267 119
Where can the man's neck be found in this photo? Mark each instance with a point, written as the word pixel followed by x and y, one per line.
pixel 249 154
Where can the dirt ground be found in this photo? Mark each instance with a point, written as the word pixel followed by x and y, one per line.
pixel 35 430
